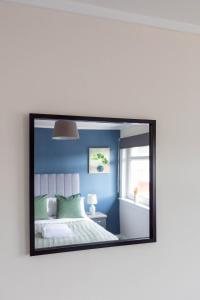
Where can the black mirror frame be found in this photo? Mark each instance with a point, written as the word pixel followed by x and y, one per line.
pixel 152 219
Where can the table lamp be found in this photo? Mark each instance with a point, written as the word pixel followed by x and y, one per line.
pixel 92 200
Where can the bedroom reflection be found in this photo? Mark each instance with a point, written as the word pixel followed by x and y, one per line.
pixel 91 182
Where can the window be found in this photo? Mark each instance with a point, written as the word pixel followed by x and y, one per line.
pixel 134 172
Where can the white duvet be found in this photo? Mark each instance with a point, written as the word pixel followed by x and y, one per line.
pixel 82 230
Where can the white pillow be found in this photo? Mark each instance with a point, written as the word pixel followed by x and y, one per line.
pixel 51 206
pixel 83 206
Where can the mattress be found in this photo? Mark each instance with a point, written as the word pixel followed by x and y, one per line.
pixel 84 230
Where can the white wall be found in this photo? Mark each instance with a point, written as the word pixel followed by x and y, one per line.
pixel 54 62
pixel 134 219
pixel 134 130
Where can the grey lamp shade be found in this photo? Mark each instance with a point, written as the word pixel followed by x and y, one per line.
pixel 65 130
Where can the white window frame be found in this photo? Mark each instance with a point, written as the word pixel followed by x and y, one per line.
pixel 126 158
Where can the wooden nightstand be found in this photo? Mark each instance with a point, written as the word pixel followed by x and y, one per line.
pixel 98 218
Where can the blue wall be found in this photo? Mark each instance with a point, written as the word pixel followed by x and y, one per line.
pixel 53 156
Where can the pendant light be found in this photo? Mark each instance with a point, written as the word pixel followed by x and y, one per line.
pixel 65 130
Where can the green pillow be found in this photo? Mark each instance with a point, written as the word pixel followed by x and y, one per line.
pixel 70 207
pixel 40 207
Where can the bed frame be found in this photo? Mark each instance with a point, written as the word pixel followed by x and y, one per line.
pixel 60 184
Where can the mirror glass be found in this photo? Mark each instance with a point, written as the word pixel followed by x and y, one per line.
pixel 91 182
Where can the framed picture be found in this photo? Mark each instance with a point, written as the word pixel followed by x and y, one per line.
pixel 71 207
pixel 99 160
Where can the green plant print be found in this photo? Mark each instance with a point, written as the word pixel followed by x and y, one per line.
pixel 101 158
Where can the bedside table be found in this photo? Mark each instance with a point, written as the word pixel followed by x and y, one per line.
pixel 98 218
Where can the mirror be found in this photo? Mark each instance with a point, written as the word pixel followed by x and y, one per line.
pixel 92 182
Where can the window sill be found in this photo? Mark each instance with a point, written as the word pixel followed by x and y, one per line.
pixel 134 203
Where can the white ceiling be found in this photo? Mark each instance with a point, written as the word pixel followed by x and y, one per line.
pixel 187 11
pixel 180 15
pixel 40 123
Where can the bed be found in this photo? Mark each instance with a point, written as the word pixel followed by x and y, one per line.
pixel 84 230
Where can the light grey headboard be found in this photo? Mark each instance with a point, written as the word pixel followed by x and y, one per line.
pixel 52 184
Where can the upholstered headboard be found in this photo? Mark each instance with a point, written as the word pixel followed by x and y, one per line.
pixel 52 184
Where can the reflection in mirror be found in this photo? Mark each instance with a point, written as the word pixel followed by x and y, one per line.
pixel 134 182
pixel 91 182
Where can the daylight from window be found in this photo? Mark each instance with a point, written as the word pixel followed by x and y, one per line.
pixel 134 165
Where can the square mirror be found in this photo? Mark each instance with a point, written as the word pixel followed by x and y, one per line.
pixel 92 182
